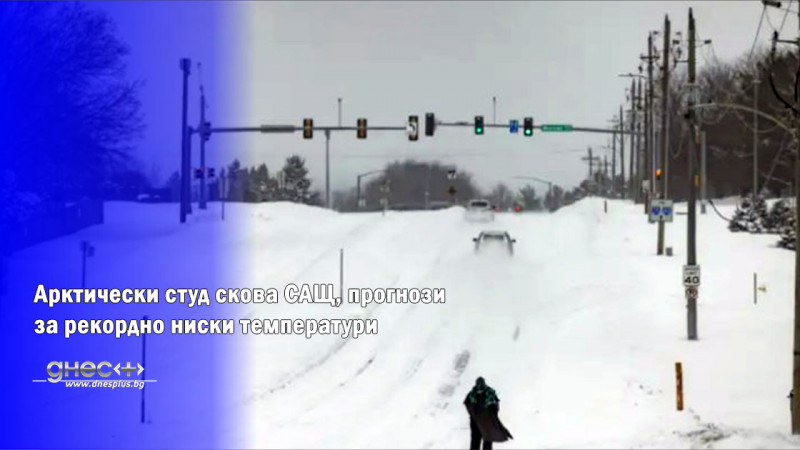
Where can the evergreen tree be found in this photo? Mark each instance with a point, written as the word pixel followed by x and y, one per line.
pixel 779 215
pixel 527 196
pixel 296 182
pixel 750 215
pixel 788 233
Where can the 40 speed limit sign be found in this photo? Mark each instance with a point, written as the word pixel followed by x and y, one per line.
pixel 691 276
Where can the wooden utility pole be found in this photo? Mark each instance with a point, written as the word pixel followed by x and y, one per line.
pixel 691 241
pixel 796 354
pixel 794 395
pixel 640 149
pixel 634 139
pixel 622 147
pixel 651 148
pixel 664 134
pixel 202 202
pixel 614 159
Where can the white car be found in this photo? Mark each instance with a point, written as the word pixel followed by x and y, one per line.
pixel 494 240
pixel 479 211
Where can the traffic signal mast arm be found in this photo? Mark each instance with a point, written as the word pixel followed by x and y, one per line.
pixel 535 126
pixel 295 128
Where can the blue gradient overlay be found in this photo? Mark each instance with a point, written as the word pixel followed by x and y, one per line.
pixel 46 162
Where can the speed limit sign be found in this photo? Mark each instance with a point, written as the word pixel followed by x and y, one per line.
pixel 691 276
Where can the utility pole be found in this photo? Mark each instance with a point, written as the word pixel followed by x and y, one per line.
pixel 340 111
pixel 632 153
pixel 185 66
pixel 622 147
pixel 614 159
pixel 796 359
pixel 327 169
pixel 691 242
pixel 202 204
pixel 704 180
pixel 640 157
pixel 649 143
pixel 494 110
pixel 664 134
pixel 755 135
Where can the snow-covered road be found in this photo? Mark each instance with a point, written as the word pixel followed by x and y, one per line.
pixel 578 333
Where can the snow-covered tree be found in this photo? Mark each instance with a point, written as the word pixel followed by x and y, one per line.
pixel 788 232
pixel 750 215
pixel 778 217
pixel 296 183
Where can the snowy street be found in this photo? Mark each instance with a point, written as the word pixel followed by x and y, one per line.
pixel 578 332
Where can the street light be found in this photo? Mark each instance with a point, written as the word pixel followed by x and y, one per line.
pixel 358 185
pixel 548 183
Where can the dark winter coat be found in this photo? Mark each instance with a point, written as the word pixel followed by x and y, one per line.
pixel 483 405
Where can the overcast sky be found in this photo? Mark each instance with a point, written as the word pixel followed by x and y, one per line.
pixel 278 62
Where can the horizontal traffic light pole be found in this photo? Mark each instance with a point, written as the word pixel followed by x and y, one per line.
pixel 294 128
pixel 536 127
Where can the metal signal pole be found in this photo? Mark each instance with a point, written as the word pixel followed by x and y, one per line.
pixel 185 68
pixel 664 134
pixel 691 242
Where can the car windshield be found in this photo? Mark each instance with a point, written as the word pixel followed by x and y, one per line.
pixel 479 204
pixel 494 237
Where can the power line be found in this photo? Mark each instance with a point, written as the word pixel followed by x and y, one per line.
pixel 758 31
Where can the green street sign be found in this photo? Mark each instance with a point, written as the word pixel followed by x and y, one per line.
pixel 556 127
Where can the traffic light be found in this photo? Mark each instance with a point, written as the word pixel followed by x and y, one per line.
pixel 210 172
pixel 478 124
pixel 430 124
pixel 658 174
pixel 198 174
pixel 205 131
pixel 413 128
pixel 308 128
pixel 527 126
pixel 362 128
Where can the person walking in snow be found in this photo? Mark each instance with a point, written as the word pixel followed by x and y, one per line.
pixel 483 406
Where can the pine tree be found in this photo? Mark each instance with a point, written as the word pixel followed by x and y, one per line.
pixel 788 233
pixel 778 217
pixel 751 213
pixel 297 183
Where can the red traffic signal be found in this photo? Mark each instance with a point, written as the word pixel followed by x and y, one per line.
pixel 659 173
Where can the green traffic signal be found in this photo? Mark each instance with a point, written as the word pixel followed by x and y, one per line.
pixel 478 124
pixel 528 132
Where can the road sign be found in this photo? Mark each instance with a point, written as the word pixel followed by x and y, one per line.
pixel 691 276
pixel 513 126
pixel 691 293
pixel 556 127
pixel 384 202
pixel 661 210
